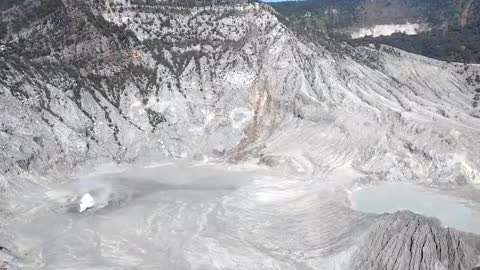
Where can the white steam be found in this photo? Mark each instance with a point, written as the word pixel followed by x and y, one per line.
pixel 86 202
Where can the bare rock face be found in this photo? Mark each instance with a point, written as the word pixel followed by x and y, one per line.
pixel 408 241
pixel 117 80
pixel 5 257
pixel 118 89
pixel 89 81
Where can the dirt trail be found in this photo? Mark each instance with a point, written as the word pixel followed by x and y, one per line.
pixel 466 13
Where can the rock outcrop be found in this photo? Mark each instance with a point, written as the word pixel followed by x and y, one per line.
pixel 89 81
pixel 121 79
pixel 408 241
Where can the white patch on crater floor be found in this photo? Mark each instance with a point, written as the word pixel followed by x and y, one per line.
pixel 240 117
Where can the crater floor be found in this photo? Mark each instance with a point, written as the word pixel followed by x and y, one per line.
pixel 209 216
pixel 182 216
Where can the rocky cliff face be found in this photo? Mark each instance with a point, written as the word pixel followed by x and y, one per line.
pixel 135 78
pixel 440 29
pixel 424 244
pixel 368 13
pixel 120 80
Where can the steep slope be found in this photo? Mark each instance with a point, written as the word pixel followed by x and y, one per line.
pixel 424 244
pixel 346 14
pixel 444 29
pixel 117 88
pixel 91 82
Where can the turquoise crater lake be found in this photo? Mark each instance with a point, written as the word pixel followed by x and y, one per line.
pixel 392 197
